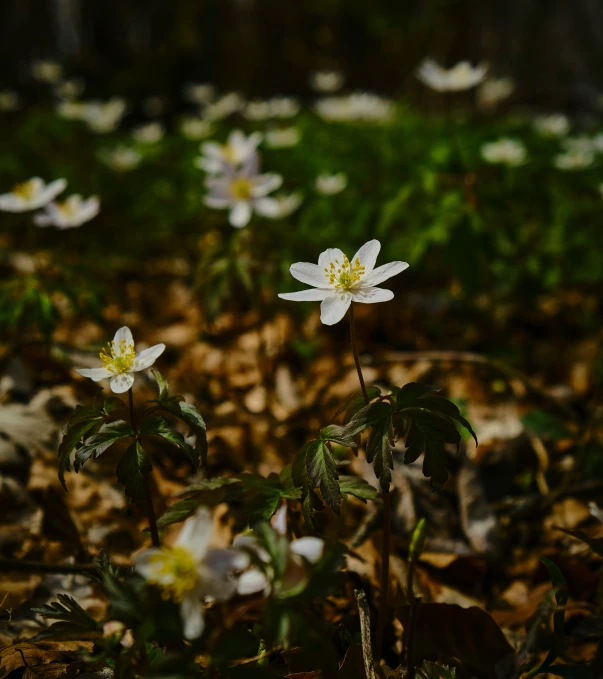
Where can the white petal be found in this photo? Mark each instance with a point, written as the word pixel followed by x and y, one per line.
pixel 124 333
pixel 95 374
pixel 147 357
pixel 333 307
pixel 121 383
pixel 196 533
pixel 279 521
pixel 311 274
pixel 142 561
pixel 250 543
pixel 212 149
pixel 222 560
pixel 382 273
pixel 217 203
pixel 264 184
pixel 240 214
pixel 372 295
pixel 217 579
pixel 267 207
pixel 310 548
pixel 43 219
pixel 367 255
pixel 191 612
pixel 313 295
pixel 330 255
pixel 252 581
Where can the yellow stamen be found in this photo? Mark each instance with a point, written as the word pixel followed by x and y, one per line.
pixel 25 190
pixel 229 153
pixel 173 569
pixel 240 189
pixel 344 276
pixel 118 359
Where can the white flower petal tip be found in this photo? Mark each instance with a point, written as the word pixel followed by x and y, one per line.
pixel 69 214
pixel 337 281
pixel 310 548
pixel 31 195
pixel 462 76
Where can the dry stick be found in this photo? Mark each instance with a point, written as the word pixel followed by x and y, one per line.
pixel 410 633
pixel 381 619
pixel 149 499
pixel 365 633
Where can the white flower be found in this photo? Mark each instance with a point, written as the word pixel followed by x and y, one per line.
pixel 494 90
pixel 358 106
pixel 195 128
pixel 190 573
pixel 223 107
pixel 282 138
pixel 47 71
pixel 104 116
pixel 9 101
pixel 199 93
pixel 505 151
pixel 338 281
pixel 326 81
pixel 574 159
pixel 120 361
pixel 151 133
pixel 283 107
pixel 284 205
pixel 258 110
pixel 72 110
pixel 243 191
pixel 237 150
pixel 462 76
pixel 70 89
pixel 331 184
pixel 69 213
pixel 121 158
pixel 31 195
pixel 597 143
pixel 553 125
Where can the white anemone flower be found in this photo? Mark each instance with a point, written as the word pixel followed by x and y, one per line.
pixel 283 137
pixel 9 101
pixel 338 281
pixel 462 76
pixel 229 103
pixel 237 150
pixel 574 159
pixel 190 573
pixel 199 93
pixel 120 361
pixel 494 90
pixel 258 110
pixel 285 205
pixel 47 71
pixel 151 133
pixel 31 195
pixel 121 158
pixel 326 81
pixel 243 191
pixel 358 106
pixel 331 184
pixel 195 129
pixel 104 116
pixel 553 125
pixel 505 152
pixel 70 213
pixel 72 110
pixel 283 107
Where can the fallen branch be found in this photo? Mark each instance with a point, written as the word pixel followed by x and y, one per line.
pixel 365 633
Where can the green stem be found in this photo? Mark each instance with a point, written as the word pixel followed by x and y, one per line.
pixel 355 352
pixel 412 614
pixel 152 517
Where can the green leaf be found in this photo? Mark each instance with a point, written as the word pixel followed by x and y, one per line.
pixel 159 426
pixel 410 392
pixel 192 417
pixel 322 473
pixel 74 622
pixel 442 405
pixel 132 472
pixel 545 425
pixel 104 438
pixel 379 444
pixel 356 402
pixel 162 384
pixel 82 421
pixel 310 500
pixel 337 434
pixel 113 403
pixel 275 544
pixel 352 485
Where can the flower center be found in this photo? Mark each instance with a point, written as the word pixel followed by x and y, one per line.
pixel 240 189
pixel 174 570
pixel 344 276
pixel 229 153
pixel 24 190
pixel 67 208
pixel 118 359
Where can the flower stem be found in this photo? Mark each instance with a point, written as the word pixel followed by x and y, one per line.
pixel 149 499
pixel 355 352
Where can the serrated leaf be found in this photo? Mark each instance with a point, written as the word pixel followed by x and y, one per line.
pixel 189 414
pixel 162 385
pixel 410 392
pixel 353 485
pixel 132 472
pixel 379 447
pixel 159 426
pixel 356 402
pixel 74 621
pixel 445 407
pixel 82 421
pixel 322 473
pixel 337 434
pixel 113 403
pixel 427 435
pixel 209 493
pixel 104 438
pixel 310 500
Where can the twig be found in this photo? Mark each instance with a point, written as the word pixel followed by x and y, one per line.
pixel 365 633
pixel 257 658
pixel 412 616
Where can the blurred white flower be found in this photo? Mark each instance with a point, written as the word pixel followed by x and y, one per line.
pixel 190 573
pixel 121 158
pixel 67 214
pixel 553 125
pixel 574 159
pixel 331 184
pixel 258 110
pixel 47 71
pixel 358 106
pixel 72 110
pixel 236 151
pixel 283 137
pixel 494 90
pixel 243 191
pixel 9 101
pixel 151 133
pixel 505 151
pixel 199 93
pixel 104 116
pixel 462 76
pixel 195 129
pixel 582 144
pixel 120 362
pixel 285 205
pixel 326 81
pixel 597 143
pixel 31 195
pixel 70 89
pixel 283 107
pixel 224 106
pixel 337 281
